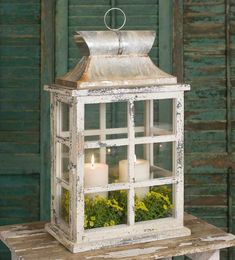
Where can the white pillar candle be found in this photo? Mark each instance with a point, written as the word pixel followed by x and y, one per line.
pixel 96 174
pixel 141 173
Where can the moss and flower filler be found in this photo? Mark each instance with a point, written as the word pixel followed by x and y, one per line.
pixel 104 212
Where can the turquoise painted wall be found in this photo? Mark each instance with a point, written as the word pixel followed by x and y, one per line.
pixel 19 112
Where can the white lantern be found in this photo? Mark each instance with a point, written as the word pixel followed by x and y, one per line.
pixel 116 178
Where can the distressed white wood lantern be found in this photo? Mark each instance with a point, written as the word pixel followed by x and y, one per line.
pixel 111 133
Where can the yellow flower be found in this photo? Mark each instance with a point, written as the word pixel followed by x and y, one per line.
pixel 139 205
pixel 114 204
pixel 85 221
pixel 112 223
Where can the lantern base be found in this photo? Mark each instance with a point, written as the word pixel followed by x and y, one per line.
pixel 128 240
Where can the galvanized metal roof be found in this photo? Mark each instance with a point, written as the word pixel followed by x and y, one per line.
pixel 115 59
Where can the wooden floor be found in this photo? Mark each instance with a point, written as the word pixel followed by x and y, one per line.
pixel 30 241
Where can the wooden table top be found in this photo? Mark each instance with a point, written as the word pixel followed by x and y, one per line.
pixel 31 241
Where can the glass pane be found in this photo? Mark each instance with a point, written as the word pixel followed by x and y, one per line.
pixel 116 114
pixel 140 124
pixel 105 211
pixel 116 156
pixel 64 117
pixel 64 162
pixel 153 161
pixel 95 173
pixel 162 120
pixel 91 137
pixel 92 116
pixel 105 121
pixel 116 120
pixel 153 117
pixel 64 205
pixel 103 166
pixel 163 158
pixel 157 203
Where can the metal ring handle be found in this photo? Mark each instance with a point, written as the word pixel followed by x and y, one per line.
pixel 124 21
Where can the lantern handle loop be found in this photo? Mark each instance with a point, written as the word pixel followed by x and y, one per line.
pixel 124 20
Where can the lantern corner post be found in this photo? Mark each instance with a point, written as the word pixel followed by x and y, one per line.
pixel 178 157
pixel 131 158
pixel 54 154
pixel 77 118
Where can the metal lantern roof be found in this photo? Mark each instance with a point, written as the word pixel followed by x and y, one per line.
pixel 115 59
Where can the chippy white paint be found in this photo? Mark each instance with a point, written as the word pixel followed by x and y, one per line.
pixel 220 238
pixel 186 244
pixel 94 81
pixel 128 253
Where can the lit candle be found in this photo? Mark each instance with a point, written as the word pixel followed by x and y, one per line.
pixel 96 174
pixel 141 173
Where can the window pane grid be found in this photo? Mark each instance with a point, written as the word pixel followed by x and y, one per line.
pixel 106 143
pixel 127 186
pixel 109 187
pixel 155 139
pixel 123 141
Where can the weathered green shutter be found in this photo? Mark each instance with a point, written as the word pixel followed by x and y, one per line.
pixel 209 60
pixel 232 68
pixel 19 111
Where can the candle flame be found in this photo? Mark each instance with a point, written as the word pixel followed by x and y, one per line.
pixel 92 161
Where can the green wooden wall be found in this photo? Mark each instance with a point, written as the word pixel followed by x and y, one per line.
pixel 30 59
pixel 19 111
pixel 208 146
pixel 208 40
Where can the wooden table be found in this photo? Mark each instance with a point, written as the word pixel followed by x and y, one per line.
pixel 30 241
